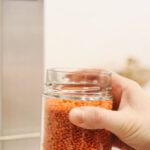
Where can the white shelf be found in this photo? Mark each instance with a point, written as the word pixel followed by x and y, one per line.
pixel 20 136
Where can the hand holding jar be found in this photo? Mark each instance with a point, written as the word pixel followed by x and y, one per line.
pixel 130 119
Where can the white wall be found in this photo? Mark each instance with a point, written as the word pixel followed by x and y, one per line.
pixel 22 71
pixel 96 33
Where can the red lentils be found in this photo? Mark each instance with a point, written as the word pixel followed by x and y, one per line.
pixel 61 134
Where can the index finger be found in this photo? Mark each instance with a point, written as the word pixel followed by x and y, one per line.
pixel 122 85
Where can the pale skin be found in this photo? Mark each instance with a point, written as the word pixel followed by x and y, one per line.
pixel 130 122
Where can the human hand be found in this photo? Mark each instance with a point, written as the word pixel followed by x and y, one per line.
pixel 130 121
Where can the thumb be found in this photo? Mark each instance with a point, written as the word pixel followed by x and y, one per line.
pixel 98 118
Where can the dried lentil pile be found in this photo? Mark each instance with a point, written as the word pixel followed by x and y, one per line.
pixel 61 134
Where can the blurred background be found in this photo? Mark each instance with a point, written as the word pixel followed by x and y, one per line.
pixel 21 73
pixel 36 35
pixel 108 34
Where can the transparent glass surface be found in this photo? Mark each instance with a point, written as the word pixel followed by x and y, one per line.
pixel 67 89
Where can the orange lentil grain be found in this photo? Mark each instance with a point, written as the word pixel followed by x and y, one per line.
pixel 61 134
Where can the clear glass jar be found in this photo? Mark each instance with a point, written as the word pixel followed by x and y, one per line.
pixel 66 89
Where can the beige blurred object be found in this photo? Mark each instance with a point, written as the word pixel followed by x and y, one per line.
pixel 136 71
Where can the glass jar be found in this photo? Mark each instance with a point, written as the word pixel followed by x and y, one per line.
pixel 67 89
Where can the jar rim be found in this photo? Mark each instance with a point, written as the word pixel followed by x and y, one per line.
pixel 77 76
pixel 73 70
